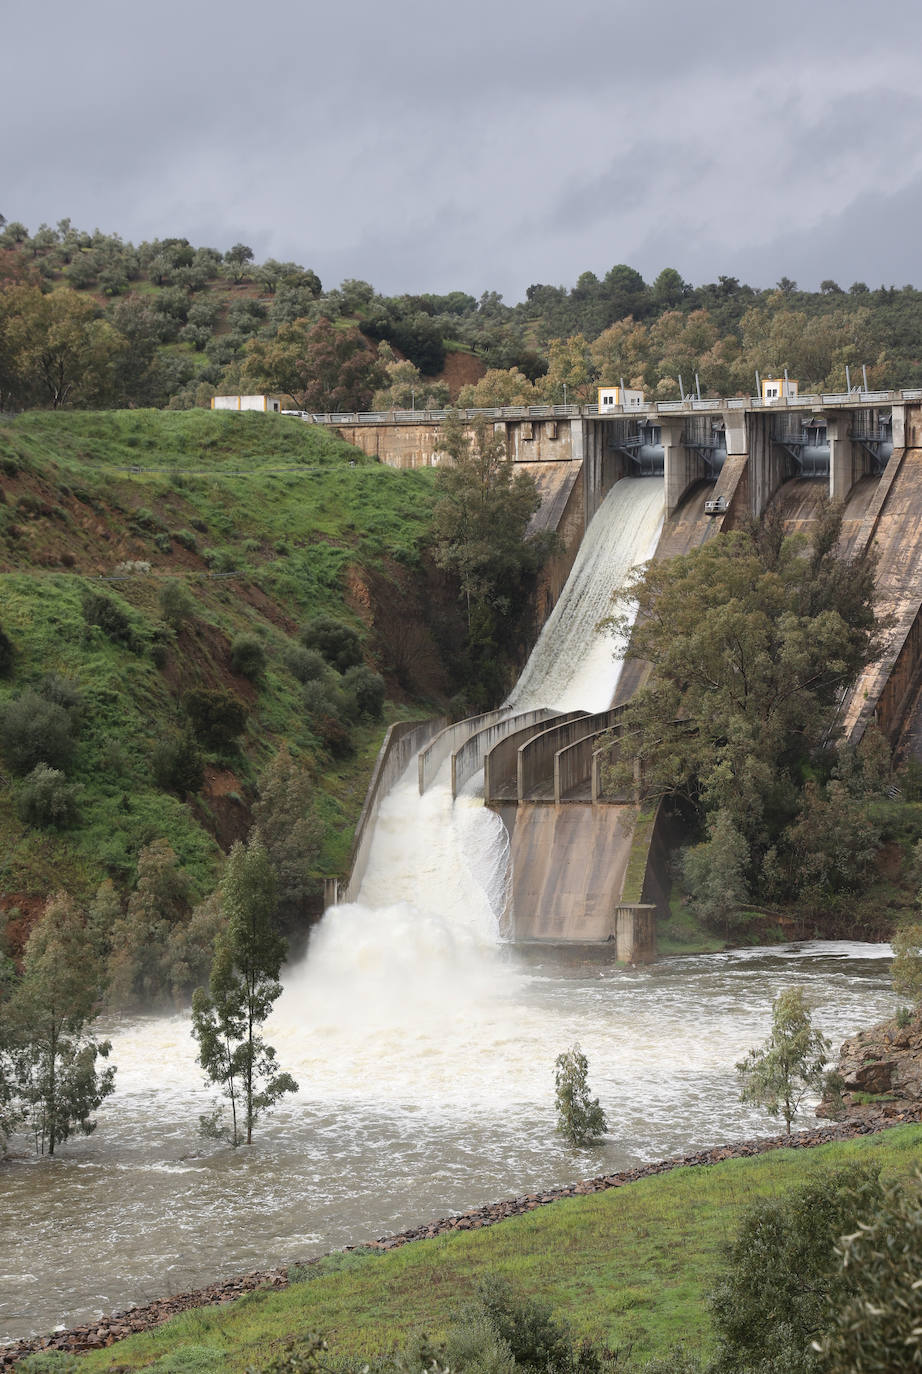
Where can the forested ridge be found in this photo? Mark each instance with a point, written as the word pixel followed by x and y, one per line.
pixel 87 319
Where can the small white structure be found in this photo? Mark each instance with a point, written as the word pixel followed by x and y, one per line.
pixel 246 403
pixel 778 389
pixel 612 396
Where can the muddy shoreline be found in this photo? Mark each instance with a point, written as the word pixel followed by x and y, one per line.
pixel 107 1330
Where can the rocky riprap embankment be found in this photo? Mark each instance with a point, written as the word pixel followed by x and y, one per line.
pixel 881 1069
pixel 114 1328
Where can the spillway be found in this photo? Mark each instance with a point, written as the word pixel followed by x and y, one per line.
pixel 572 667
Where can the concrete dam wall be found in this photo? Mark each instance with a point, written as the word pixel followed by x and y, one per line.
pixel 583 865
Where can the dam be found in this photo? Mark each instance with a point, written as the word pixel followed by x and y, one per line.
pixel 585 866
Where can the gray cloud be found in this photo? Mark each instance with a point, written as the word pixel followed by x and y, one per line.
pixel 482 149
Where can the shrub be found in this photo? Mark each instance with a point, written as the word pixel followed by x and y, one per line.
pixel 177 605
pixel 367 690
pixel 906 969
pixel 33 731
pixel 784 1277
pixel 307 665
pixel 63 691
pixel 339 643
pixel 6 653
pixel 328 709
pixel 110 617
pixel 248 657
pixel 177 763
pixel 47 798
pixel 580 1119
pixel 524 1326
pixel 880 1325
pixel 186 539
pixel 217 717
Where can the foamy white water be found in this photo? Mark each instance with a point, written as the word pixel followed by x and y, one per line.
pixel 572 667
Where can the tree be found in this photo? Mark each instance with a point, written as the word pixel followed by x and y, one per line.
pixel 338 642
pixel 751 639
pixel 57 1079
pixel 243 986
pixel 784 1281
pixel 790 1064
pixel 906 969
pixel 480 532
pixel 140 961
pixel 506 386
pixel 580 1119
pixel 33 731
pixel 57 343
pixel 287 826
pixel 319 367
pixel 878 1325
pixel 9 1102
pixel 571 373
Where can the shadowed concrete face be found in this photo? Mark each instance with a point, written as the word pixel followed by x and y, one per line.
pixel 568 867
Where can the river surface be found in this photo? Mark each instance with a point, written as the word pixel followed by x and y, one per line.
pixel 418 1097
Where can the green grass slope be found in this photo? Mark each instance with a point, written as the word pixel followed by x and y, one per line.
pixel 630 1267
pixel 267 522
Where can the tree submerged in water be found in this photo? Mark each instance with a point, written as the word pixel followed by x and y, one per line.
pixel 790 1064
pixel 580 1119
pixel 244 985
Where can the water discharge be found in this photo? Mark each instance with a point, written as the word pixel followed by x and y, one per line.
pixel 572 667
pixel 424 1050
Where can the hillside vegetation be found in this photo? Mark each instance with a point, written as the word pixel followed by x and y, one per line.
pixel 150 559
pixel 88 319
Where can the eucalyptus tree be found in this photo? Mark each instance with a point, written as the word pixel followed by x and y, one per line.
pixel 243 986
pixel 54 1056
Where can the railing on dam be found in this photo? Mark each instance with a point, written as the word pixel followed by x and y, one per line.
pixel 468 760
pixel 691 405
pixel 452 737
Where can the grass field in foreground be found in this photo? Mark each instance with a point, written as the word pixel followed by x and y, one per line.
pixel 630 1267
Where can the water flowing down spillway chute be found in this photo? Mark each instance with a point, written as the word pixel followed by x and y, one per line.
pixel 573 666
pixel 427 918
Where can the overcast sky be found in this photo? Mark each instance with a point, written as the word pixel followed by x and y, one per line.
pixel 481 145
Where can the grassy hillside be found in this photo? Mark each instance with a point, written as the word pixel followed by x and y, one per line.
pixel 630 1267
pixel 265 522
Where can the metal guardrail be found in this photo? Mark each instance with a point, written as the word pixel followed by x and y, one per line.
pixel 691 404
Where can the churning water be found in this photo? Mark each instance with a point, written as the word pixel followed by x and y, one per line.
pixel 572 667
pixel 424 1049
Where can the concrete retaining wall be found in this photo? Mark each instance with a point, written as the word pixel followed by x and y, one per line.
pixel 451 738
pixel 401 742
pixel 469 758
pixel 536 757
pixel 501 764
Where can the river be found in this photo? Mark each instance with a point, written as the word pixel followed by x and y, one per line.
pixel 424 1048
